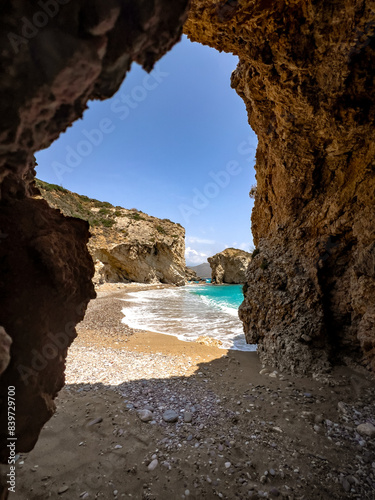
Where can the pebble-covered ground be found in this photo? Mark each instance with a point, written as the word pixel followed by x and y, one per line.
pixel 193 423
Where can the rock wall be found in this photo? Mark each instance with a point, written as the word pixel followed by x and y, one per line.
pixel 126 245
pixel 191 275
pixel 230 266
pixel 144 257
pixel 54 59
pixel 306 75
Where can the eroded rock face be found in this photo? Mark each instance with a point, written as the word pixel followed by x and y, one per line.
pixel 126 245
pixel 230 266
pixel 191 275
pixel 306 76
pixel 53 62
pixel 144 255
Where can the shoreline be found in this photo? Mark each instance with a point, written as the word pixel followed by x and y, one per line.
pixel 235 430
pixel 180 313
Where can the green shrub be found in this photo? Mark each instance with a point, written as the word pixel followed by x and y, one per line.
pixel 108 222
pixel 118 213
pixel 161 230
pixel 49 187
pixel 135 217
pixel 104 211
pixel 255 252
pixel 104 204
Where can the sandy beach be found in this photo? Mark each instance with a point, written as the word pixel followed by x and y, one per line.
pixel 147 416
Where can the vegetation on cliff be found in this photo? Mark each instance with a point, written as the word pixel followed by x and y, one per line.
pixel 126 245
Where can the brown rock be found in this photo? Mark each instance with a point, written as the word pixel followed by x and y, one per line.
pixel 230 266
pixel 82 53
pixel 126 245
pixel 305 76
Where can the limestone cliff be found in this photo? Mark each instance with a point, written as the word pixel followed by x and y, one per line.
pixel 126 245
pixel 230 266
pixel 191 275
pixel 306 75
pixel 54 59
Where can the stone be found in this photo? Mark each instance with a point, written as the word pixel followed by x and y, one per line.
pixel 62 490
pixel 314 257
pixel 346 485
pixel 366 429
pixel 170 416
pixel 82 55
pixel 145 415
pixel 188 417
pixel 264 371
pixel 153 464
pixel 227 465
pixel 341 407
pixel 229 266
pixel 95 421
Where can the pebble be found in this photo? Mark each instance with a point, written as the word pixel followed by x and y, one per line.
pixel 187 493
pixel 95 421
pixel 152 465
pixel 170 416
pixel 366 429
pixel 346 485
pixel 145 415
pixel 227 465
pixel 63 489
pixel 188 417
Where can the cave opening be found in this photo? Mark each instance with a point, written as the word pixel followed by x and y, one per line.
pixel 174 144
pixel 85 55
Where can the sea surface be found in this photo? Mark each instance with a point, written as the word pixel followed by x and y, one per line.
pixel 190 312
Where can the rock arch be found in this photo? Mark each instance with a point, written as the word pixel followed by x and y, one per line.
pixel 306 76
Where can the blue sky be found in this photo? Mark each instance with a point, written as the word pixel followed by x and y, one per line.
pixel 175 144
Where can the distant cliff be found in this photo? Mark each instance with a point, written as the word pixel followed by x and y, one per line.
pixel 202 270
pixel 230 266
pixel 126 245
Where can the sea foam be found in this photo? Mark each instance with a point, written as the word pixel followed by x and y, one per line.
pixel 187 313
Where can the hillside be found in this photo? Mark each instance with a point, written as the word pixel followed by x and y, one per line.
pixel 126 244
pixel 202 270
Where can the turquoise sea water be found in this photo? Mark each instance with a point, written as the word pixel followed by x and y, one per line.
pixel 190 312
pixel 223 296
